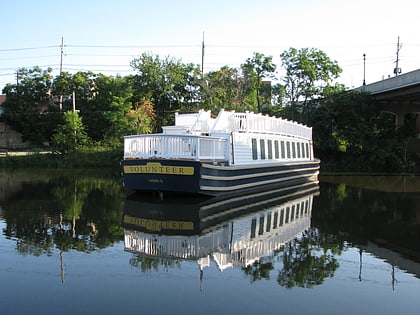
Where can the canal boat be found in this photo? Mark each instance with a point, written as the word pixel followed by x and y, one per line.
pixel 232 153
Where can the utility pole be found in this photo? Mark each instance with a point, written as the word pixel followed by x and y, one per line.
pixel 202 57
pixel 364 69
pixel 60 102
pixel 74 101
pixel 397 70
pixel 62 53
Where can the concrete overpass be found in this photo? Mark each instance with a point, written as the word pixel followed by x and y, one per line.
pixel 399 95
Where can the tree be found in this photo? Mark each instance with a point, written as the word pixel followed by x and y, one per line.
pixel 221 89
pixel 71 135
pixel 308 73
pixel 26 100
pixel 350 131
pixel 169 84
pixel 255 70
pixel 142 118
pixel 111 102
pixel 98 98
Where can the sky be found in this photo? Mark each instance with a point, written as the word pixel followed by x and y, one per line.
pixel 103 36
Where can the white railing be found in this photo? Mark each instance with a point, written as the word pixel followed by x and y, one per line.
pixel 250 122
pixel 190 147
pixel 161 245
pixel 230 121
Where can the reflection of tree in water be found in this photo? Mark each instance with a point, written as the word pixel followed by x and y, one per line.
pixel 80 214
pixel 259 270
pixel 153 264
pixel 309 260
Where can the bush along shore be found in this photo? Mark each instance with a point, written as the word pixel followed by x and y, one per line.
pixel 109 159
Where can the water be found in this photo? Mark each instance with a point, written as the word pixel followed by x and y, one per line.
pixel 74 244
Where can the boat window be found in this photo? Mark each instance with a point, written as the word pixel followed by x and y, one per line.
pixel 307 151
pixel 294 150
pixel 262 148
pixel 254 149
pixel 303 150
pixel 276 149
pixel 253 227
pixel 283 151
pixel 268 226
pixel 288 149
pixel 281 217
pixel 298 150
pixel 292 215
pixel 276 219
pixel 261 227
pixel 286 219
pixel 270 149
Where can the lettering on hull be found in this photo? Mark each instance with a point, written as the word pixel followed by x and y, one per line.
pixel 157 168
pixel 157 225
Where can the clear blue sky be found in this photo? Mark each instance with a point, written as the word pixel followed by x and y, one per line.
pixel 104 35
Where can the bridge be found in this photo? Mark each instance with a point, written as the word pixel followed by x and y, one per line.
pixel 400 96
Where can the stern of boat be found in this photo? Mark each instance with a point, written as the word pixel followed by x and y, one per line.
pixel 161 175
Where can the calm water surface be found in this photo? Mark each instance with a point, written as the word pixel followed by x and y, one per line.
pixel 76 244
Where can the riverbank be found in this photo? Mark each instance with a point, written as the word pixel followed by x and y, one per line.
pixel 80 159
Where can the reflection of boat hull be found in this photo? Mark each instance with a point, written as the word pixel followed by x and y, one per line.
pixel 202 213
pixel 234 231
pixel 213 180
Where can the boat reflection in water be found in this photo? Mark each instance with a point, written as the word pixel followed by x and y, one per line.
pixel 232 232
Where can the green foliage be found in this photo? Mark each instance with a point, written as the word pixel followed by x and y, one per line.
pixel 169 84
pixel 351 133
pixel 71 135
pixel 255 70
pixel 25 100
pixel 222 89
pixel 308 73
pixel 107 160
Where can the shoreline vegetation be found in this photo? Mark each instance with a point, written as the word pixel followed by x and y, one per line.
pixel 109 160
pixel 104 159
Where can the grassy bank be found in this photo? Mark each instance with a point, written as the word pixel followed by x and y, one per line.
pixel 80 159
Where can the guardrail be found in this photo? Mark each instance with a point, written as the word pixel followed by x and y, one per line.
pixel 250 122
pixel 191 147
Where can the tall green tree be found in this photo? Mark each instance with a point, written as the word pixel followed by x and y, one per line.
pixel 26 100
pixel 111 102
pixel 222 89
pixel 97 98
pixel 71 135
pixel 308 72
pixel 255 70
pixel 168 83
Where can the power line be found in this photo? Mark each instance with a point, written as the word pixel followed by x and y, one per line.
pixel 133 46
pixel 27 48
